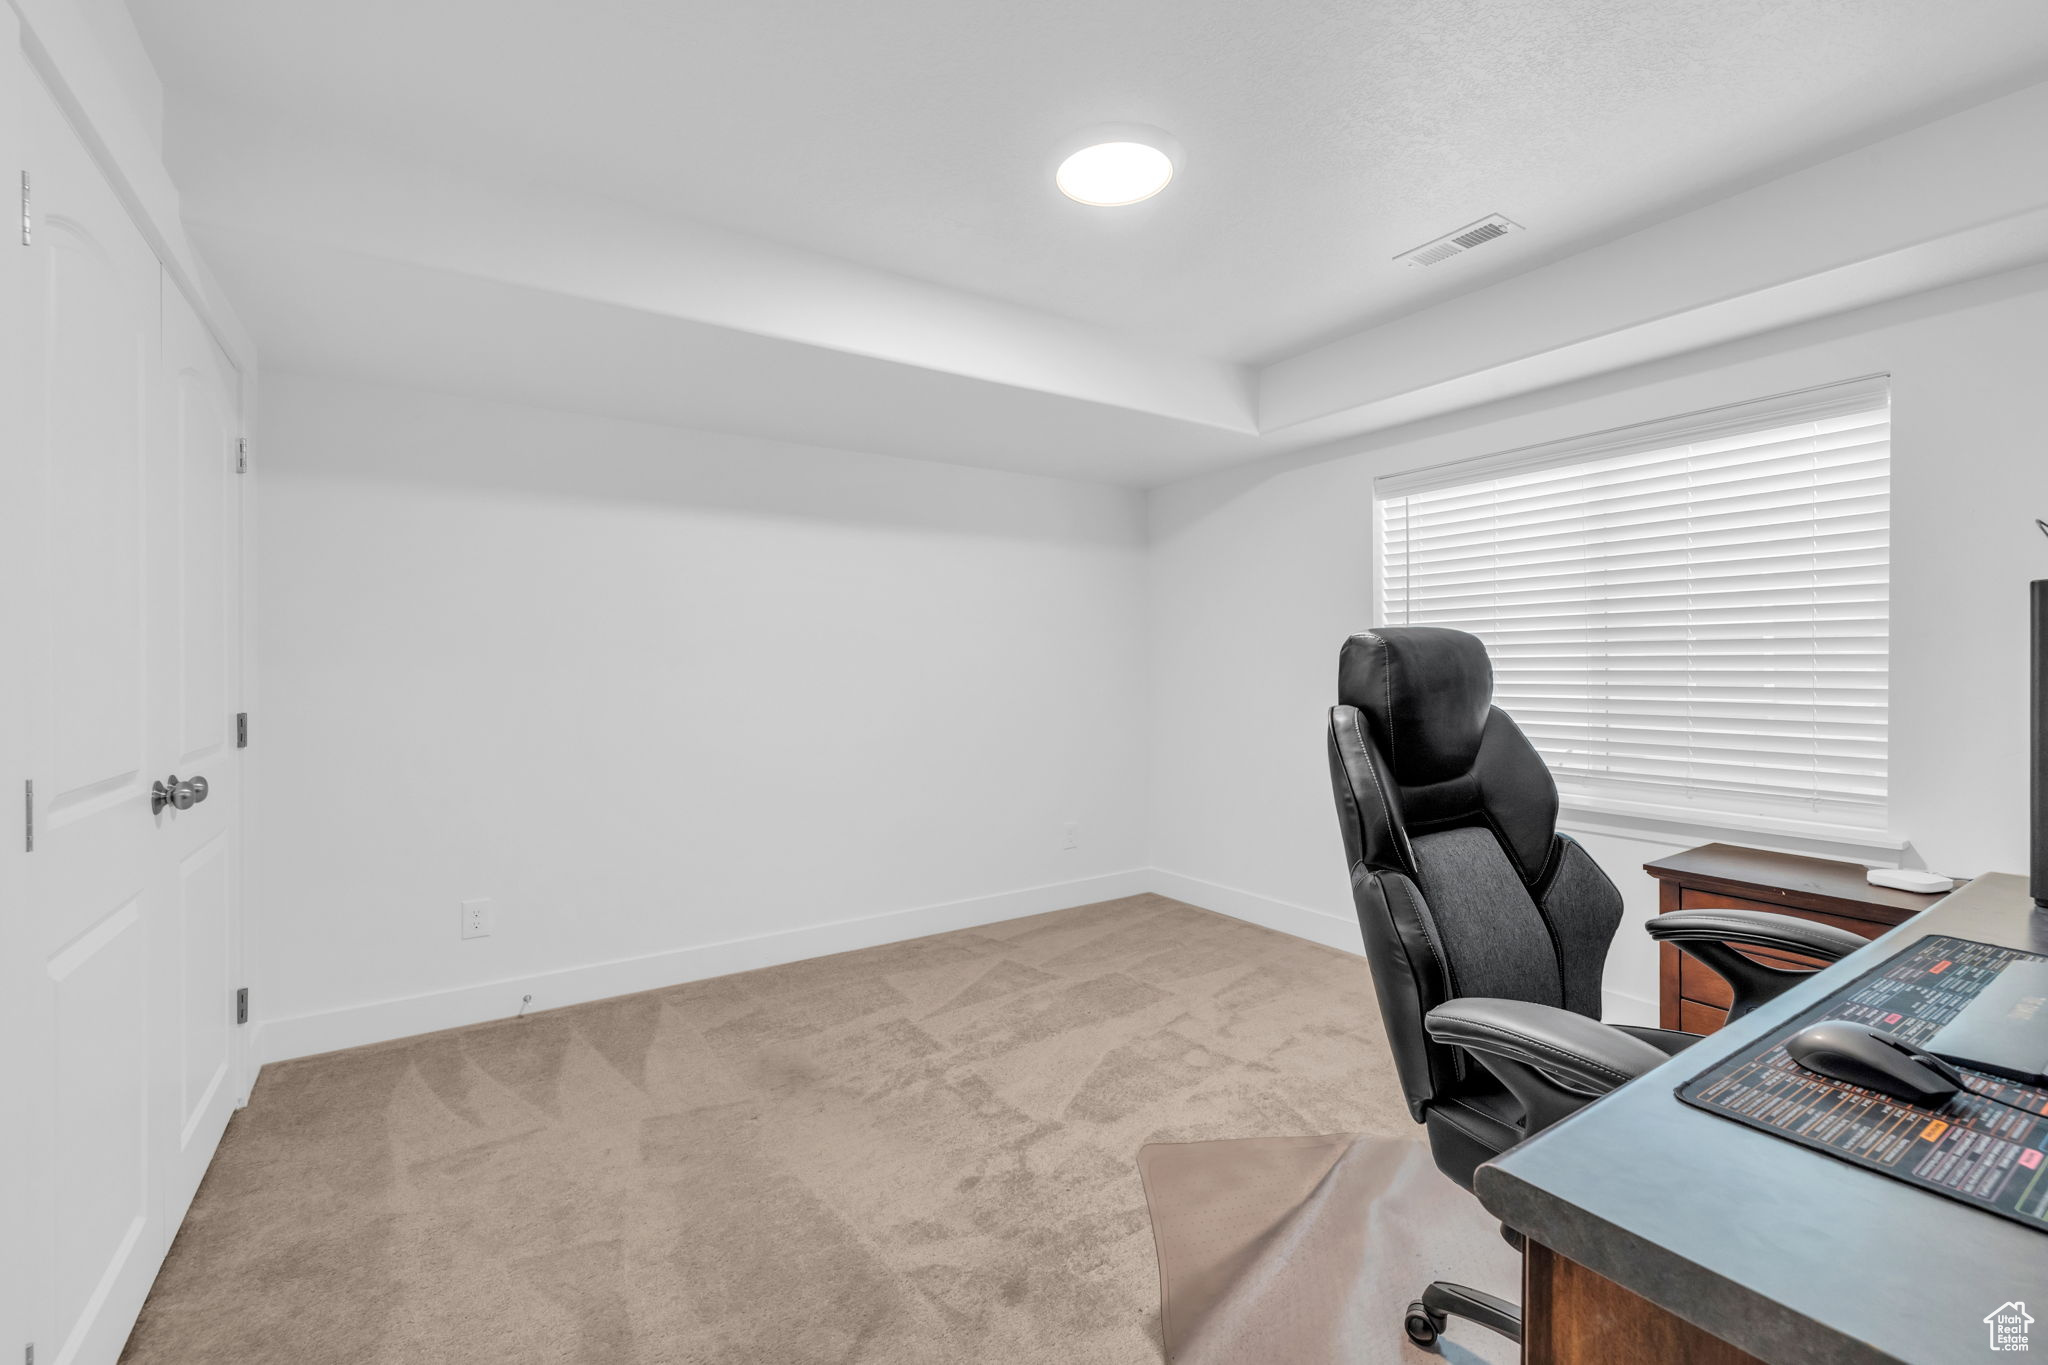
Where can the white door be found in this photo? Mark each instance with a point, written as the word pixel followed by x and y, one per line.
pixel 130 914
pixel 196 621
pixel 15 598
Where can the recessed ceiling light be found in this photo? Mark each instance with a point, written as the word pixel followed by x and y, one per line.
pixel 1113 173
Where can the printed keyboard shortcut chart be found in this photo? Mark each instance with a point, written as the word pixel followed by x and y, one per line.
pixel 1973 1148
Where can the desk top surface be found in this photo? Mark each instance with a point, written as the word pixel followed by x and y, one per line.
pixel 1788 1253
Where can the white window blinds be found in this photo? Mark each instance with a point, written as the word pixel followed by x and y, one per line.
pixel 1687 619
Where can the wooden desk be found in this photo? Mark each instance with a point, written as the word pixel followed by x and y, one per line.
pixel 1729 877
pixel 1660 1232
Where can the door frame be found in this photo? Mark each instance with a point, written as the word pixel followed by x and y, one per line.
pixel 248 1058
pixel 15 576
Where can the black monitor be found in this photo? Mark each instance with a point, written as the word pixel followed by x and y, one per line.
pixel 2038 723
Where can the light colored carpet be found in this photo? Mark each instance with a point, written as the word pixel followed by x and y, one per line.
pixel 924 1152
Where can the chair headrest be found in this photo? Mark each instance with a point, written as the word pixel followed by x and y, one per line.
pixel 1425 691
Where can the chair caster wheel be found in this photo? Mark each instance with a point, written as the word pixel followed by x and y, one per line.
pixel 1423 1326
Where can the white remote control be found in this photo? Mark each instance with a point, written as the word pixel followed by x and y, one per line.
pixel 1900 879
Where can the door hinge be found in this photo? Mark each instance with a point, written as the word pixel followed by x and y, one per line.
pixel 242 1005
pixel 28 815
pixel 242 455
pixel 241 729
pixel 24 209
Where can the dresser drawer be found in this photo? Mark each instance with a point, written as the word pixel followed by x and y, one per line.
pixel 1703 985
pixel 1693 1017
pixel 1690 899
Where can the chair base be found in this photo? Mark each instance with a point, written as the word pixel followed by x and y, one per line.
pixel 1443 1301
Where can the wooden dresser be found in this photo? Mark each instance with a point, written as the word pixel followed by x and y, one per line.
pixel 1725 877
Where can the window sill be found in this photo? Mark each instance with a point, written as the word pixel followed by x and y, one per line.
pixel 1641 817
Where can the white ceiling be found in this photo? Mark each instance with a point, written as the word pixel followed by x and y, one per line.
pixel 1323 136
pixel 834 223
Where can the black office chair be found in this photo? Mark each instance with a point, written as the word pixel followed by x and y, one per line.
pixel 1487 930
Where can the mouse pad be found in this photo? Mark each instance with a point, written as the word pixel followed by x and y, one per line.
pixel 1970 1149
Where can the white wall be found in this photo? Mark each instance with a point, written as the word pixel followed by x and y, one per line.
pixel 685 704
pixel 680 703
pixel 1260 572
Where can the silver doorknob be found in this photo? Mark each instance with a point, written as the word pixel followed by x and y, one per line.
pixel 184 795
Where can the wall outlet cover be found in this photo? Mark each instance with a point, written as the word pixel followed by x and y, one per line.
pixel 479 917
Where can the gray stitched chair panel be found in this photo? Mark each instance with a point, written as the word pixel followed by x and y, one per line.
pixel 1584 909
pixel 1494 936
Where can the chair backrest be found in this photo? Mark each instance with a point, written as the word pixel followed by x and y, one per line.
pixel 1462 883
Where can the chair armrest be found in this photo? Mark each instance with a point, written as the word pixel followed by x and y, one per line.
pixel 1709 936
pixel 1756 929
pixel 1554 1061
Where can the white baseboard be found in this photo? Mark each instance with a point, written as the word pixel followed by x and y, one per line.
pixel 382 1020
pixel 1621 1007
pixel 276 1040
pixel 1317 926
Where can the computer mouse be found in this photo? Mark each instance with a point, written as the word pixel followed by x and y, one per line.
pixel 1857 1054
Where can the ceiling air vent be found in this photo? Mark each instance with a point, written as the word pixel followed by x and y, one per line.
pixel 1459 242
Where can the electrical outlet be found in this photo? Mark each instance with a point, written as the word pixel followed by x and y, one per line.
pixel 479 917
pixel 1073 835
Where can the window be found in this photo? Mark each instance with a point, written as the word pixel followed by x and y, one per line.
pixel 1688 619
